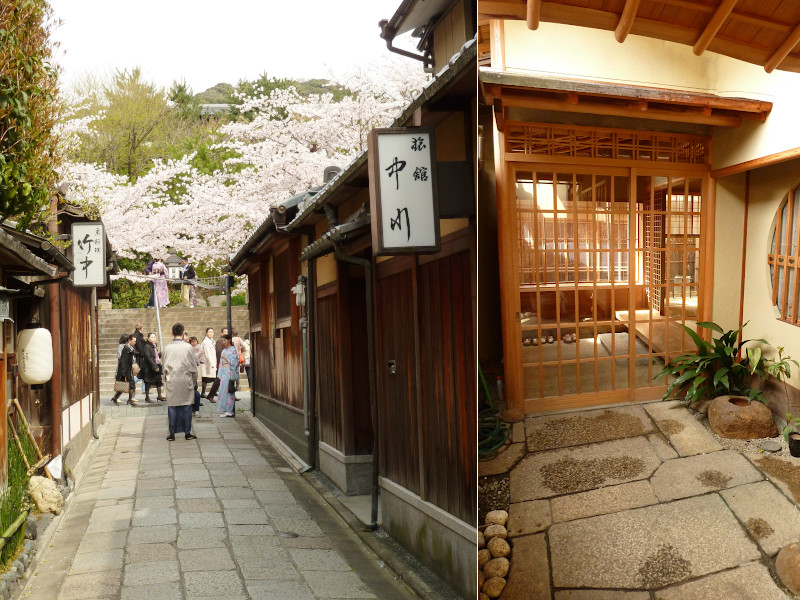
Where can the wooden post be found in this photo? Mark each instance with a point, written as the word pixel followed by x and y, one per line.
pixel 509 284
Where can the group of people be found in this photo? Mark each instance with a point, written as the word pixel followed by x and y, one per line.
pixel 159 290
pixel 212 362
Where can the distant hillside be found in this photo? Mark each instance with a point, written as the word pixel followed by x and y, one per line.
pixel 222 93
pixel 219 94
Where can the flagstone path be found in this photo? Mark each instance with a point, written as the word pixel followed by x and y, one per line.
pixel 641 502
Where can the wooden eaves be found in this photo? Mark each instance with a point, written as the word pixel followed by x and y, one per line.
pixel 503 89
pixel 764 33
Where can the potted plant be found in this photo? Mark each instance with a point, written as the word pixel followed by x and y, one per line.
pixel 792 435
pixel 722 371
pixel 717 369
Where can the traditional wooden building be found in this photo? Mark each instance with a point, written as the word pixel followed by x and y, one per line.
pixel 635 187
pixel 390 383
pixel 36 276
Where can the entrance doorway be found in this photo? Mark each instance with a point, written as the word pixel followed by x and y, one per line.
pixel 610 262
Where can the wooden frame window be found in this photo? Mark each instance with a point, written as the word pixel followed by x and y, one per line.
pixel 784 257
pixel 283 294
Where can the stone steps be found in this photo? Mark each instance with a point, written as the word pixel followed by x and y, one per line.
pixel 114 322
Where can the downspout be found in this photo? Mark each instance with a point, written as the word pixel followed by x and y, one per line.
pixel 95 366
pixel 55 333
pixel 389 33
pixel 367 265
pixel 303 283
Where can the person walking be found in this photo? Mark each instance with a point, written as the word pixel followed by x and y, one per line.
pixel 188 290
pixel 180 374
pixel 237 343
pixel 123 341
pixel 218 351
pixel 246 352
pixel 125 371
pixel 200 359
pixel 139 348
pixel 161 288
pixel 208 370
pixel 227 375
pixel 151 368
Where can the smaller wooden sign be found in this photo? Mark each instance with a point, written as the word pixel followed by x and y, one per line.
pixel 88 255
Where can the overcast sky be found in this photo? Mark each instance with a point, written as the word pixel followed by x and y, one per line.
pixel 207 42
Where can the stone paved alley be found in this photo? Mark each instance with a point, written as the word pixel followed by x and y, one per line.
pixel 220 517
pixel 642 502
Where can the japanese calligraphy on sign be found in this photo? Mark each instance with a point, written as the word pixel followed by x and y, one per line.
pixel 88 255
pixel 402 191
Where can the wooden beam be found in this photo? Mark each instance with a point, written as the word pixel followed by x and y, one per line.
pixel 783 50
pixel 757 163
pixel 501 10
pixel 533 14
pixel 497 43
pixel 620 111
pixel 499 115
pixel 626 20
pixel 717 19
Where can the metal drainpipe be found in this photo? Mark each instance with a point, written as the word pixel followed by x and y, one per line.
pixel 308 389
pixel 373 401
pixel 388 34
pixel 95 365
pixel 302 280
pixel 55 333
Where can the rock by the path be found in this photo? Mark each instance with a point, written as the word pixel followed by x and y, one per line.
pixel 735 417
pixel 497 567
pixel 481 540
pixel 494 587
pixel 495 531
pixel 787 566
pixel 498 547
pixel 484 556
pixel 45 495
pixel 497 517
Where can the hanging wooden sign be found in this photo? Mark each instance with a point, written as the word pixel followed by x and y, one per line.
pixel 402 190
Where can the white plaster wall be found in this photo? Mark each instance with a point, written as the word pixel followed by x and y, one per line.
pixel 729 240
pixel 768 187
pixel 592 54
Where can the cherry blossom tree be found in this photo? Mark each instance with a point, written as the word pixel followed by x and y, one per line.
pixel 281 152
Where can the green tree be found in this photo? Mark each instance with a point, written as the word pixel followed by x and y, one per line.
pixel 136 124
pixel 28 109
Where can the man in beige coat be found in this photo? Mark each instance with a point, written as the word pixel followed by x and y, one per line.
pixel 180 371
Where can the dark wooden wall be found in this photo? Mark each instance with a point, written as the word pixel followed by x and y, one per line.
pixel 276 354
pixel 76 346
pixel 429 406
pixel 328 368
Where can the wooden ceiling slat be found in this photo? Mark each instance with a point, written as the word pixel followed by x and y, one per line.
pixel 783 50
pixel 724 9
pixel 626 20
pixel 533 13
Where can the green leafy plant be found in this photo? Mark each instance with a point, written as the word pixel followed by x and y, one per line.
pixel 717 369
pixel 781 370
pixel 792 426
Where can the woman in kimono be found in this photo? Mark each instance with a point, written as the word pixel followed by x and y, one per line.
pixel 161 289
pixel 151 368
pixel 228 373
pixel 125 371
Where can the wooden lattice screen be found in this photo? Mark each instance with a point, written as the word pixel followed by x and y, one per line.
pixel 593 142
pixel 784 258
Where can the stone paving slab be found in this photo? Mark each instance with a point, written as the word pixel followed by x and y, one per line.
pixel 684 432
pixel 749 582
pixel 529 575
pixel 503 461
pixel 606 500
pixel 569 470
pixel 695 475
pixel 586 427
pixel 649 548
pixel 767 514
pixel 601 595
pixel 183 521
pixel 526 518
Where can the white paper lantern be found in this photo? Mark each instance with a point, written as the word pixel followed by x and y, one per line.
pixel 35 355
